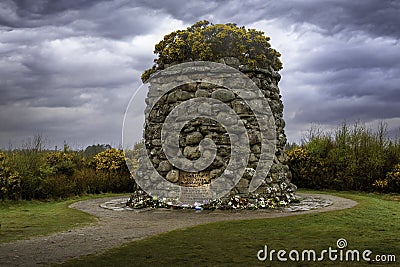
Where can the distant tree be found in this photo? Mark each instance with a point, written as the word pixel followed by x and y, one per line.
pixel 206 41
pixel 93 150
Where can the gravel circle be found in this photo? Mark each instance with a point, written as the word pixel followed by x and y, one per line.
pixel 117 226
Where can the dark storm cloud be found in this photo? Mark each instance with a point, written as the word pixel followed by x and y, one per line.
pixel 56 68
pixel 68 68
pixel 377 18
pixel 25 13
pixel 345 51
pixel 112 19
pixel 187 10
pixel 332 16
pixel 347 79
pixel 66 72
pixel 341 61
pixel 45 7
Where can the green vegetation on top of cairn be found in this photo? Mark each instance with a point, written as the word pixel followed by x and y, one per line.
pixel 204 41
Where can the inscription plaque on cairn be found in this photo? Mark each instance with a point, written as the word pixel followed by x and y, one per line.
pixel 195 186
pixel 193 179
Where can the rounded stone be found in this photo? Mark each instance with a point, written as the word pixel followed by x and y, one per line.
pixel 191 152
pixel 242 186
pixel 173 176
pixel 172 97
pixel 189 87
pixel 183 95
pixel 249 173
pixel 230 61
pixel 240 107
pixel 164 166
pixel 223 95
pixel 202 93
pixel 194 138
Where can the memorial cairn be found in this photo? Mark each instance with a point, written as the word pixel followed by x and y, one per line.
pixel 181 167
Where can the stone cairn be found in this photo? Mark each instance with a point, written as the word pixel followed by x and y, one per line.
pixel 276 184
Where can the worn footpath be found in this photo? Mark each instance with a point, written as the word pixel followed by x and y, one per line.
pixel 117 226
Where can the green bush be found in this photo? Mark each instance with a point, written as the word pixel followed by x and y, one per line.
pixel 391 183
pixel 28 163
pixel 63 163
pixel 36 173
pixel 206 41
pixel 93 150
pixel 354 158
pixel 10 181
pixel 111 163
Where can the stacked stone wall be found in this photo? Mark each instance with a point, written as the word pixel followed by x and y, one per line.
pixel 275 185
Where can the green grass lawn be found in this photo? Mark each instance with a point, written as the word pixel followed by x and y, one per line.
pixel 374 224
pixel 25 219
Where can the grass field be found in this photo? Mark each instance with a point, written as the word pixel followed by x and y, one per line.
pixel 25 219
pixel 374 225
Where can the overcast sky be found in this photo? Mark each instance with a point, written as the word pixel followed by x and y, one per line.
pixel 69 68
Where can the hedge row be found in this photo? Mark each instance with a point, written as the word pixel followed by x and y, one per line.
pixel 34 173
pixel 352 158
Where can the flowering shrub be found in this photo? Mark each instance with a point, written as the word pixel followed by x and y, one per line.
pixel 298 155
pixel 10 181
pixel 209 42
pixel 33 172
pixel 394 179
pixel 391 183
pixel 351 158
pixel 60 163
pixel 381 185
pixel 110 165
pixel 110 160
pixel 307 169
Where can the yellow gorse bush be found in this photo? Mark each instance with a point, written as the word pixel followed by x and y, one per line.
pixel 58 157
pixel 395 173
pixel 10 181
pixel 298 154
pixel 381 184
pixel 208 42
pixel 392 181
pixel 110 160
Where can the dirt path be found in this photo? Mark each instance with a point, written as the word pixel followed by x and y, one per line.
pixel 115 228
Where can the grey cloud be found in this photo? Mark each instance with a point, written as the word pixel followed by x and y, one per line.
pixel 45 7
pixel 68 68
pixel 367 54
pixel 373 83
pixel 28 14
pixel 78 127
pixel 110 19
pixel 377 18
pixel 189 11
pixel 361 109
